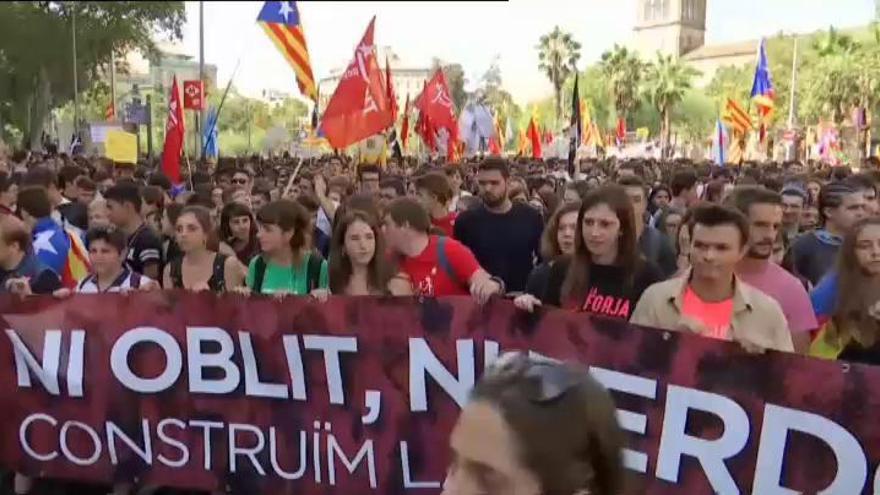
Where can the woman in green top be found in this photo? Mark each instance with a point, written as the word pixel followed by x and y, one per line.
pixel 286 265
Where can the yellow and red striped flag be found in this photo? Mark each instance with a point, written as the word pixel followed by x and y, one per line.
pixel 282 23
pixel 738 118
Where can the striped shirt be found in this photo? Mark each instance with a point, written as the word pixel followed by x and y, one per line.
pixel 127 280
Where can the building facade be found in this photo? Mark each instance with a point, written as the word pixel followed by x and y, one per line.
pixel 671 27
pixel 678 28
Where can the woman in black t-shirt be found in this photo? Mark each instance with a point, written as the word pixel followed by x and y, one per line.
pixel 201 267
pixel 606 275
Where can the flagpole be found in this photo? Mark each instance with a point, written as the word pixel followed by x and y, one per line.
pixel 75 82
pixel 223 100
pixel 113 82
pixel 791 99
pixel 201 111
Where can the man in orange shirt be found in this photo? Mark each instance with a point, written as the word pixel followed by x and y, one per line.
pixel 711 300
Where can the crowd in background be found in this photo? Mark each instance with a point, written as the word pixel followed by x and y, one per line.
pixel 781 256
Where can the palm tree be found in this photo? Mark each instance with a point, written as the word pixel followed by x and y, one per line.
pixel 666 82
pixel 623 69
pixel 558 54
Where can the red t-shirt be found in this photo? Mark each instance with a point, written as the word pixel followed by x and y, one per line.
pixel 446 224
pixel 430 279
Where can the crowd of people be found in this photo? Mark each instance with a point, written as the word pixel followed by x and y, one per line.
pixel 781 256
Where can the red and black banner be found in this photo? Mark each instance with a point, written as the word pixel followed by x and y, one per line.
pixel 358 396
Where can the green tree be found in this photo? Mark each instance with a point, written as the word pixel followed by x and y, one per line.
pixel 623 70
pixel 730 82
pixel 832 43
pixel 35 53
pixel 289 113
pixel 665 84
pixel 693 118
pixel 558 54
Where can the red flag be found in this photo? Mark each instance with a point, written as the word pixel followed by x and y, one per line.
pixel 194 95
pixel 110 113
pixel 389 86
pixel 404 127
pixel 174 132
pixel 437 106
pixel 493 146
pixel 426 131
pixel 359 107
pixel 535 138
pixel 621 131
pixel 424 128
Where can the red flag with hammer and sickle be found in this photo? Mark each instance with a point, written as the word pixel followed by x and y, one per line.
pixel 359 107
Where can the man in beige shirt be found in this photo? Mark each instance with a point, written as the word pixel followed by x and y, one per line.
pixel 710 300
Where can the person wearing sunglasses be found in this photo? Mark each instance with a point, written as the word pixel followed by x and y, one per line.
pixel 241 179
pixel 536 427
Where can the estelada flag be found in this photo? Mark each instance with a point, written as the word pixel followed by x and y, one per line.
pixel 436 104
pixel 174 132
pixel 282 23
pixel 535 138
pixel 359 107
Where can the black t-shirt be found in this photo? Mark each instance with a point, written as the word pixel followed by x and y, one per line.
pixel 76 214
pixel 611 292
pixel 657 248
pixel 505 244
pixel 144 248
pixel 857 353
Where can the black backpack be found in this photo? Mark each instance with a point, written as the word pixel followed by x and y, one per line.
pixel 313 272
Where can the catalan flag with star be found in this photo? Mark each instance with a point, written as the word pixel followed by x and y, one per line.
pixel 282 23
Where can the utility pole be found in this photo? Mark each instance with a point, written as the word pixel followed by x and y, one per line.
pixel 113 83
pixel 75 82
pixel 792 103
pixel 201 112
pixel 149 125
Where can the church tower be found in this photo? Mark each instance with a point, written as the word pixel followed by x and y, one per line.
pixel 672 27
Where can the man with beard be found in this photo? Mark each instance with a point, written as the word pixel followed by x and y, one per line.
pixel 763 210
pixel 711 300
pixel 504 236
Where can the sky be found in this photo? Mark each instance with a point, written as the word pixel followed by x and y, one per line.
pixel 474 33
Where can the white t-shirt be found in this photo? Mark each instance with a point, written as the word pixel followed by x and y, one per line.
pixel 127 280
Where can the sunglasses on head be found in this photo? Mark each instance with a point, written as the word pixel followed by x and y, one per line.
pixel 553 379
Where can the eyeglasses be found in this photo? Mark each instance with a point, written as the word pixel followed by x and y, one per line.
pixel 553 379
pixel 239 181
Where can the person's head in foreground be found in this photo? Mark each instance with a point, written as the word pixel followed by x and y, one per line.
pixel 536 428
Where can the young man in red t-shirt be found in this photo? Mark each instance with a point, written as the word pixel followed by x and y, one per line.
pixel 435 193
pixel 435 265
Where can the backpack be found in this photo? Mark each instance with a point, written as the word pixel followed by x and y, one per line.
pixel 443 261
pixel 313 272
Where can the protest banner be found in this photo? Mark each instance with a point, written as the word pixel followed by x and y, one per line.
pixel 358 395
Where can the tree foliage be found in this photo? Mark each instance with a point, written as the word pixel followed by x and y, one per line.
pixel 665 84
pixel 623 69
pixel 36 62
pixel 558 54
